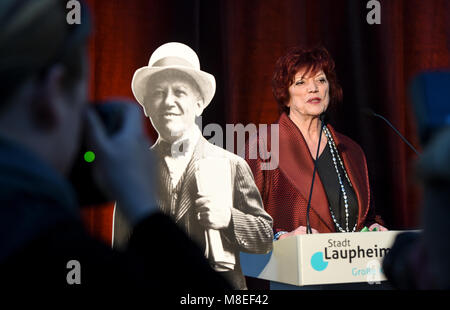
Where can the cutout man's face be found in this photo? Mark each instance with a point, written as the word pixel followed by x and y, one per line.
pixel 172 102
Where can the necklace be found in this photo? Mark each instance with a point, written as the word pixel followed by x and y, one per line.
pixel 337 159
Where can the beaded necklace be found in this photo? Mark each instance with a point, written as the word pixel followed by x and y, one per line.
pixel 337 159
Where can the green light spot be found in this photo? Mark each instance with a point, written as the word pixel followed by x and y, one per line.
pixel 89 156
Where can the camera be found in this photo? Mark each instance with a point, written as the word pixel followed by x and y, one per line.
pixel 81 176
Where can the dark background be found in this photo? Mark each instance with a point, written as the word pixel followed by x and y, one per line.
pixel 239 41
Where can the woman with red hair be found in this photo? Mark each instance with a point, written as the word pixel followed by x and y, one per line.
pixel 304 85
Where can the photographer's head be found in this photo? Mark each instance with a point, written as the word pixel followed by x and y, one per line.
pixel 43 78
pixel 173 90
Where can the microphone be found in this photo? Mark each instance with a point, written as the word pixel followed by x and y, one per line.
pixel 323 118
pixel 369 112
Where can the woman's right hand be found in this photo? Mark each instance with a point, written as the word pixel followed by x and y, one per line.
pixel 301 230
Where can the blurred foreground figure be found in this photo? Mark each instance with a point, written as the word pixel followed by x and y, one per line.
pixel 43 83
pixel 420 260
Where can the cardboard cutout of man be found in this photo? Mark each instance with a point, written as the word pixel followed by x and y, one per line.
pixel 173 92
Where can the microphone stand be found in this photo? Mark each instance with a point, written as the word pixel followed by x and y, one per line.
pixel 308 207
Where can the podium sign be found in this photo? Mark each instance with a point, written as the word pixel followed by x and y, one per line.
pixel 323 259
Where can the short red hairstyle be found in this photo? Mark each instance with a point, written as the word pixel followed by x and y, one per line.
pixel 311 59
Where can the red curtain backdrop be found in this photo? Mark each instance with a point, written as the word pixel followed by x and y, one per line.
pixel 239 42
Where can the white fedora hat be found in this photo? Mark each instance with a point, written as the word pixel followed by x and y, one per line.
pixel 174 56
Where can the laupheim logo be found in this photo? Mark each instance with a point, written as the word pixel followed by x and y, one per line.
pixel 317 261
pixel 341 250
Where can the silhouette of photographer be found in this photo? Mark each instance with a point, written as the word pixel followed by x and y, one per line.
pixel 419 260
pixel 43 115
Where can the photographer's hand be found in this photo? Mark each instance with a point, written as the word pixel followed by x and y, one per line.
pixel 124 167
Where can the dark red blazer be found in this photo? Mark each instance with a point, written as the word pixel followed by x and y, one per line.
pixel 285 189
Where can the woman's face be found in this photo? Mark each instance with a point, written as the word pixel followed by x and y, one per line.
pixel 308 94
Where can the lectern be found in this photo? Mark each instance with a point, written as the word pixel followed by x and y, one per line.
pixel 317 259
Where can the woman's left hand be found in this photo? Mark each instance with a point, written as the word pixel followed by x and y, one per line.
pixel 378 227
